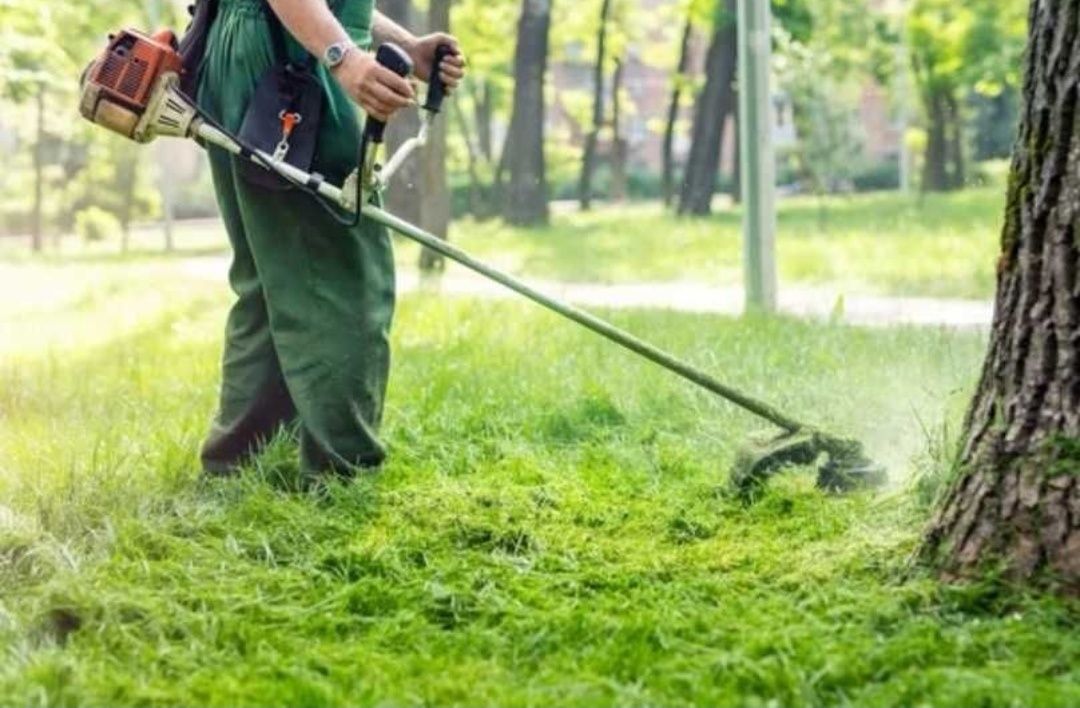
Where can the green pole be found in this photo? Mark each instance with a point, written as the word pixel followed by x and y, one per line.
pixel 758 160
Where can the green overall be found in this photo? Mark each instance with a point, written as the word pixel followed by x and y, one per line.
pixel 307 338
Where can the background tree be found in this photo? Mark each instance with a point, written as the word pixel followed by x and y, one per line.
pixel 714 106
pixel 403 197
pixel 1015 504
pixel 679 86
pixel 525 199
pixel 435 215
pixel 959 49
pixel 588 160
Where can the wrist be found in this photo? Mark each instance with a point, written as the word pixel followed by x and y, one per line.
pixel 353 57
pixel 409 45
pixel 336 54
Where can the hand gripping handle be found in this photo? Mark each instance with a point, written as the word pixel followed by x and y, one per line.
pixel 436 88
pixel 396 60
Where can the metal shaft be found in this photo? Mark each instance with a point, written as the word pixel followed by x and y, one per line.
pixel 597 325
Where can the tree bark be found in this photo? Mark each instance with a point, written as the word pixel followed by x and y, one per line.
pixel 482 112
pixel 435 212
pixel 588 160
pixel 958 172
pixel 673 114
pixel 525 201
pixel 714 104
pixel 1015 505
pixel 936 160
pixel 403 194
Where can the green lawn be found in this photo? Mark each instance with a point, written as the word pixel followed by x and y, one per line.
pixel 552 528
pixel 941 245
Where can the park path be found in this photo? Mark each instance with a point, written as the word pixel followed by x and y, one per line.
pixel 809 302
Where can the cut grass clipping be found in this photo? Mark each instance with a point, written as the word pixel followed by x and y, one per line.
pixel 550 529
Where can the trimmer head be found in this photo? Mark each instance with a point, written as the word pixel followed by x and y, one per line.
pixel 842 464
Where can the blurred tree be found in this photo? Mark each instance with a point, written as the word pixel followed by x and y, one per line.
pixel 829 145
pixel 525 198
pixel 714 106
pixel 588 160
pixel 403 196
pixel 43 48
pixel 958 48
pixel 481 28
pixel 679 85
pixel 1013 506
pixel 435 193
pixel 619 147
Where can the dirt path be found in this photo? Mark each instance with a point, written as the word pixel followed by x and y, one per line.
pixel 799 301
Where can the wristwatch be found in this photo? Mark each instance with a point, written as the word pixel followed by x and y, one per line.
pixel 336 53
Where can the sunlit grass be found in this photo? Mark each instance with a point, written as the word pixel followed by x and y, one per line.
pixel 887 243
pixel 938 245
pixel 551 529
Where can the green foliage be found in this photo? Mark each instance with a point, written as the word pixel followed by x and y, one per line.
pixel 548 530
pixel 95 224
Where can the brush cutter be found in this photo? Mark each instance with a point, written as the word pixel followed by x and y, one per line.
pixel 133 88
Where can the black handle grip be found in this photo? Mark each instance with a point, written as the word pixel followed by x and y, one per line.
pixel 436 88
pixel 396 60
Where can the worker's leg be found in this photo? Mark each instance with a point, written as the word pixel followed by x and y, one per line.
pixel 329 293
pixel 254 403
pixel 326 291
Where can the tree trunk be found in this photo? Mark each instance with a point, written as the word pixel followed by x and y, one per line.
pixel 618 141
pixel 936 160
pixel 717 100
pixel 38 227
pixel 958 171
pixel 403 194
pixel 436 193
pixel 673 114
pixel 525 201
pixel 127 177
pixel 482 111
pixel 1015 505
pixel 588 160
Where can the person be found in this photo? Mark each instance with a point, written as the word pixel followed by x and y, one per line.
pixel 306 345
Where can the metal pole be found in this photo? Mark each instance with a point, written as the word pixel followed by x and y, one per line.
pixel 757 154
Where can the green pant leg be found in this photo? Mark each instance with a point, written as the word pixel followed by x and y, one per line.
pixel 330 299
pixel 254 402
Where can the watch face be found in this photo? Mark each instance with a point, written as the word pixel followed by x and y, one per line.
pixel 334 55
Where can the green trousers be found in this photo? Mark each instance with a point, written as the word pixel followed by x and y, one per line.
pixel 306 345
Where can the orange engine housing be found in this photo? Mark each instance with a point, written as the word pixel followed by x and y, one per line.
pixel 118 85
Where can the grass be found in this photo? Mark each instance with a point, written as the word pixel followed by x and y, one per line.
pixel 551 528
pixel 938 246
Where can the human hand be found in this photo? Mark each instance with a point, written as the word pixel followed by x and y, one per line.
pixel 379 91
pixel 452 69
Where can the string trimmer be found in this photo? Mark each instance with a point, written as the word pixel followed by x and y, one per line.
pixel 132 88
